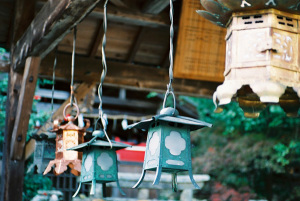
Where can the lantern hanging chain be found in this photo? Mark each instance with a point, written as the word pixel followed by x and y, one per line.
pixel 171 59
pixel 53 83
pixel 72 68
pixel 103 74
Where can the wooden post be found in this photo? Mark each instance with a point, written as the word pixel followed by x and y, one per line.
pixel 30 77
pixel 12 171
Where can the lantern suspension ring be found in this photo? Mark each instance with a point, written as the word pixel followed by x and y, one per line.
pixel 171 53
pixel 103 74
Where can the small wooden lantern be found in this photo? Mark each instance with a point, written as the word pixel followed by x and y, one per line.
pixel 99 164
pixel 262 53
pixel 44 150
pixel 67 136
pixel 168 147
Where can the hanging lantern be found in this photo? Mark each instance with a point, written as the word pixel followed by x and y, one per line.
pixel 99 164
pixel 168 147
pixel 44 150
pixel 67 136
pixel 262 52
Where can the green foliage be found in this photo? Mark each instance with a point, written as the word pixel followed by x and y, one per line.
pixel 33 183
pixel 239 151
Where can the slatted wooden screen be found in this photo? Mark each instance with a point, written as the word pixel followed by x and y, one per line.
pixel 200 52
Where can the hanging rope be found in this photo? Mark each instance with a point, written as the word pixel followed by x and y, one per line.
pixel 103 74
pixel 53 83
pixel 72 68
pixel 169 86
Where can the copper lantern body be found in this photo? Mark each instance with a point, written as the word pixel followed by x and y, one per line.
pixel 67 136
pixel 262 54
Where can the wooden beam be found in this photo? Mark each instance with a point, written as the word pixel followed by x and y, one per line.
pixel 52 23
pixel 119 3
pixel 155 6
pixel 97 40
pixel 24 107
pixel 12 171
pixel 80 92
pixel 23 17
pixel 12 176
pixel 126 75
pixel 130 17
pixel 136 44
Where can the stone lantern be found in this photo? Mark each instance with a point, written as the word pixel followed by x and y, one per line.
pixel 262 53
pixel 67 136
pixel 99 163
pixel 168 146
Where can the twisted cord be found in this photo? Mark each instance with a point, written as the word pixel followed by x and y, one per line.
pixel 103 74
pixel 72 68
pixel 53 85
pixel 104 71
pixel 169 86
pixel 171 45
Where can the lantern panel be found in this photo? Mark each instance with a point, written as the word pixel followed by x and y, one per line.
pixel 88 162
pixel 70 139
pixel 153 147
pixel 175 143
pixel 88 167
pixel 154 143
pixel 106 169
pixel 104 161
pixel 175 155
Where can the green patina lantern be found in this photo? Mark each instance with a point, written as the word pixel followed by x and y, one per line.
pixel 168 147
pixel 99 161
pixel 44 150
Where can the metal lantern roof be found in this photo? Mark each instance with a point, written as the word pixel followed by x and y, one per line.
pixel 219 12
pixel 171 115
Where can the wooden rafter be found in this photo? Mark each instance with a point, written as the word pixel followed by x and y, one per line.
pixel 155 6
pixel 119 3
pixel 136 44
pixel 133 17
pixel 97 40
pixel 52 23
pixel 126 76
